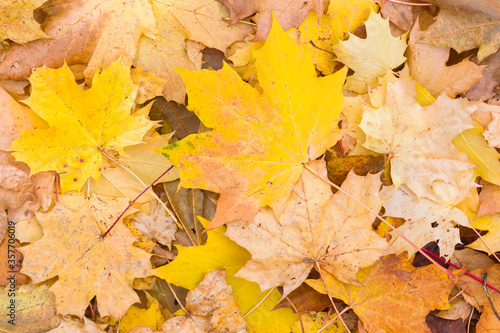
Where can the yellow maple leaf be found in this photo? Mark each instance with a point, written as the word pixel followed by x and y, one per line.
pixel 82 123
pixel 260 142
pixel 343 17
pixel 87 264
pixel 315 230
pixel 372 57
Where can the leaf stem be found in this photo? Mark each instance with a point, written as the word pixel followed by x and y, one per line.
pixel 410 3
pixel 179 223
pixel 57 180
pixel 132 202
pixel 444 270
pixel 298 313
pixel 319 48
pixel 330 297
pixel 335 318
pixel 457 267
pixel 258 304
pixel 486 244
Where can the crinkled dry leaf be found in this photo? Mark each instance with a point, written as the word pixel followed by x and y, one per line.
pixel 466 25
pixel 21 194
pixel 156 225
pixel 290 13
pixel 315 230
pixel 211 307
pixel 83 32
pixel 402 15
pixel 427 65
pixel 488 321
pixel 484 89
pixel 259 143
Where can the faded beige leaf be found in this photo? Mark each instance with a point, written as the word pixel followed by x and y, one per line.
pixel 417 139
pixel 372 57
pixel 314 231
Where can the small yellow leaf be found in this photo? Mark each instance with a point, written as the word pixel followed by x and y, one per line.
pixel 372 57
pixel 137 316
pixel 485 157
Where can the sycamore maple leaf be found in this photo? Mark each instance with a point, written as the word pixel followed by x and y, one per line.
pixel 418 139
pixel 394 296
pixel 465 25
pixel 315 230
pixel 371 57
pixel 82 123
pixel 17 23
pixel 260 142
pixel 87 264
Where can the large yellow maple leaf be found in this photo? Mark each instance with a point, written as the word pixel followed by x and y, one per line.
pixel 260 142
pixel 82 123
pixel 87 264
pixel 318 229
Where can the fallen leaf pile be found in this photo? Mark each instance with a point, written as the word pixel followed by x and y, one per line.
pixel 249 166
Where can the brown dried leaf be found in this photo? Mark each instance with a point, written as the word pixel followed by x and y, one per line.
pixel 290 13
